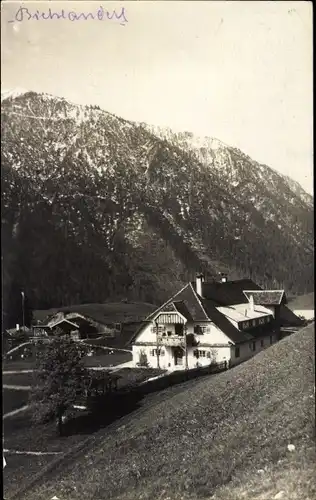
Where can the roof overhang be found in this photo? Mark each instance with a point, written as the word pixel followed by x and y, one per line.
pixel 267 297
pixel 63 320
pixel 169 317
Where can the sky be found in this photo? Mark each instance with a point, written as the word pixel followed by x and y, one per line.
pixel 237 71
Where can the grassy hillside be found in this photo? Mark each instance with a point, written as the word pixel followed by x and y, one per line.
pixel 109 312
pixel 225 435
pixel 301 302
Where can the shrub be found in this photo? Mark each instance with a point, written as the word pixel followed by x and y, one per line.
pixel 143 360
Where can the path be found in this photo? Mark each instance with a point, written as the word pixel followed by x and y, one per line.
pixel 17 387
pixel 16 372
pixel 128 364
pixel 14 412
pixel 39 453
pixel 18 347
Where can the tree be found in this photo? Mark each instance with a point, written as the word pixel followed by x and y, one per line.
pixel 60 380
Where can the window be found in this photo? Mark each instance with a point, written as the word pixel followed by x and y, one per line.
pixel 160 329
pixel 169 333
pixel 196 353
pixel 208 354
pixel 200 330
pixel 262 342
pixel 253 322
pixel 246 324
pixel 237 352
pixel 202 354
pixel 261 321
pixel 153 352
pixel 252 346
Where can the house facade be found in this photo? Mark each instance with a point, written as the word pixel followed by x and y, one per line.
pixel 71 324
pixel 210 322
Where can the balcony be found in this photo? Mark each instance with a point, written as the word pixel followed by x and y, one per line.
pixel 171 341
pixel 178 340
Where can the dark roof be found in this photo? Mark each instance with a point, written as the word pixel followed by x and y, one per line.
pixel 170 307
pixel 201 310
pixel 190 301
pixel 266 297
pixel 182 309
pixel 222 322
pixel 288 318
pixel 228 293
pixel 177 306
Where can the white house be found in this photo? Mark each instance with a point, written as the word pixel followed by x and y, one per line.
pixel 217 321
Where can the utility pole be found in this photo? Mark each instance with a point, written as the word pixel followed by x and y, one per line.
pixel 23 310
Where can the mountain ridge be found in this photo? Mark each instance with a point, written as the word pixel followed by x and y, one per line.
pixel 127 211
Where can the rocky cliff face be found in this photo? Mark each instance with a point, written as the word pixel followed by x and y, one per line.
pixel 95 207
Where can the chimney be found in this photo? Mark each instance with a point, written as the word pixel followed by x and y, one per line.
pixel 251 303
pixel 199 281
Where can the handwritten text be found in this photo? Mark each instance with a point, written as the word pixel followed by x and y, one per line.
pixel 25 14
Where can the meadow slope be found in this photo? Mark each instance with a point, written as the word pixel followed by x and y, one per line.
pixel 224 437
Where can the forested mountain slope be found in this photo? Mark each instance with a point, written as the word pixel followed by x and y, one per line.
pixel 97 208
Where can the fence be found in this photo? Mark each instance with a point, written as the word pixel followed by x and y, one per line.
pixel 178 377
pixel 103 392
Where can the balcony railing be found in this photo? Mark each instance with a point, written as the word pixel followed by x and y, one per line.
pixel 178 340
pixel 171 341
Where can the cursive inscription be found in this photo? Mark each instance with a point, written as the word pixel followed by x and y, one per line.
pixel 26 14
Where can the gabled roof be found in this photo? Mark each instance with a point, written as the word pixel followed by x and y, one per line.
pixel 189 304
pixel 182 309
pixel 62 320
pixel 266 297
pixel 189 301
pixel 215 295
pixel 228 293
